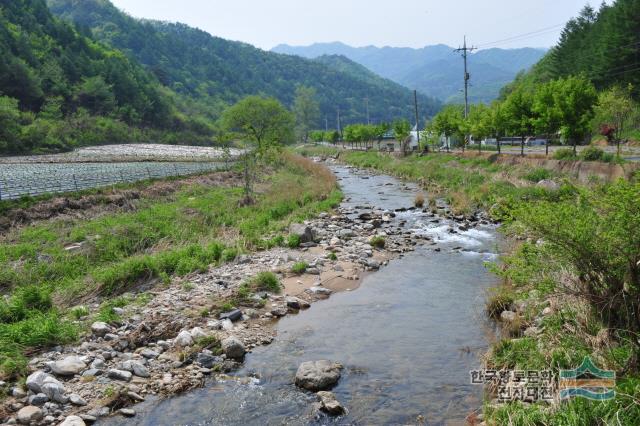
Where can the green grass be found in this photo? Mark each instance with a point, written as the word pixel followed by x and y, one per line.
pixel 378 242
pixel 299 268
pixel 265 281
pixel 193 228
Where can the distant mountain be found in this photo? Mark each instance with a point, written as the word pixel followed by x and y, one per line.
pixel 433 70
pixel 217 72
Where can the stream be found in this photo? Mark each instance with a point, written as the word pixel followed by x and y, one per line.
pixel 408 337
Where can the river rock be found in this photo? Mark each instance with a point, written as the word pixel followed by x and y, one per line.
pixel 135 367
pixel 330 404
pixel 76 399
pixel 207 360
pixel 73 421
pixel 233 348
pixel 183 339
pixel 346 233
pixel 122 375
pixel 304 232
pixel 318 375
pixel 70 366
pixel 38 399
pixel 127 412
pixel 296 303
pixel 197 333
pixel 36 380
pixel 54 390
pixel 29 415
pixel 279 311
pixel 320 290
pixel 100 329
pixel 233 315
pixel 149 353
pixel 548 184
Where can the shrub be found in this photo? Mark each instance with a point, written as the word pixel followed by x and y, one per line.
pixel 79 312
pixel 293 241
pixel 299 268
pixel 266 281
pixel 537 175
pixel 564 154
pixel 378 242
pixel 332 256
pixel 592 153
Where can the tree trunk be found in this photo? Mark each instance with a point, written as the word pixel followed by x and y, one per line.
pixel 522 146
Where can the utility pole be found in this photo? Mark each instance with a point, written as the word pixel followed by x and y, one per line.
pixel 415 103
pixel 326 124
pixel 366 104
pixel 339 124
pixel 465 50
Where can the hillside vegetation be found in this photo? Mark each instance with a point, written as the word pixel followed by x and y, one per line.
pixel 217 72
pixel 60 89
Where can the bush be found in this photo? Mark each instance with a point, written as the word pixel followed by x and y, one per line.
pixel 332 256
pixel 597 237
pixel 299 268
pixel 266 281
pixel 537 175
pixel 378 242
pixel 564 154
pixel 592 153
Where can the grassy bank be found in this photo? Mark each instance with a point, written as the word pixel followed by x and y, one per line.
pixel 572 280
pixel 49 266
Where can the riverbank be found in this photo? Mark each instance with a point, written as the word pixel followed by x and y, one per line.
pixel 155 331
pixel 560 283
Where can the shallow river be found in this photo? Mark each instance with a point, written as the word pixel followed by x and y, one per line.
pixel 408 337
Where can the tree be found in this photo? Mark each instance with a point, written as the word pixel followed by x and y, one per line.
pixel 547 118
pixel 479 123
pixel 332 136
pixel 447 122
pixel 306 110
pixel 402 131
pixel 519 115
pixel 574 98
pixel 317 136
pixel 95 95
pixel 496 122
pixel 261 122
pixel 615 107
pixel 9 125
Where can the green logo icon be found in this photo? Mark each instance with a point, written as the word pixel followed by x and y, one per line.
pixel 587 381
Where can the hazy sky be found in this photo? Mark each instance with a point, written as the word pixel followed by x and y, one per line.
pixel 414 23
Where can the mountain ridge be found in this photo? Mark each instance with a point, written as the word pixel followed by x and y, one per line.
pixel 421 68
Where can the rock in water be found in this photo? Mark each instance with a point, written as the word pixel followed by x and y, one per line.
pixel 304 232
pixel 233 348
pixel 70 366
pixel 318 375
pixel 29 415
pixel 330 404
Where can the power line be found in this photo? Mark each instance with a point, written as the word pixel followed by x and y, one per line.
pixel 530 34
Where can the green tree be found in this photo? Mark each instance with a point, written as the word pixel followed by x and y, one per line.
pixel 9 125
pixel 262 123
pixel 402 130
pixel 306 110
pixel 614 109
pixel 95 95
pixel 574 98
pixel 547 118
pixel 317 136
pixel 447 122
pixel 479 123
pixel 519 114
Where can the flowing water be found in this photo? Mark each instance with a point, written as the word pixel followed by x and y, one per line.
pixel 408 337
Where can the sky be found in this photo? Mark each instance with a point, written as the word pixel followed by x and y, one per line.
pixel 398 23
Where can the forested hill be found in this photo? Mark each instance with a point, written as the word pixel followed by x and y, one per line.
pixel 54 82
pixel 218 71
pixel 603 45
pixel 433 70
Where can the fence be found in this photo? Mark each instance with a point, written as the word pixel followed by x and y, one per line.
pixel 20 180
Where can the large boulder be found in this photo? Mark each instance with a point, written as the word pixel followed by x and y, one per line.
pixel 54 390
pixel 184 338
pixel 304 232
pixel 70 366
pixel 36 380
pixel 318 375
pixel 233 348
